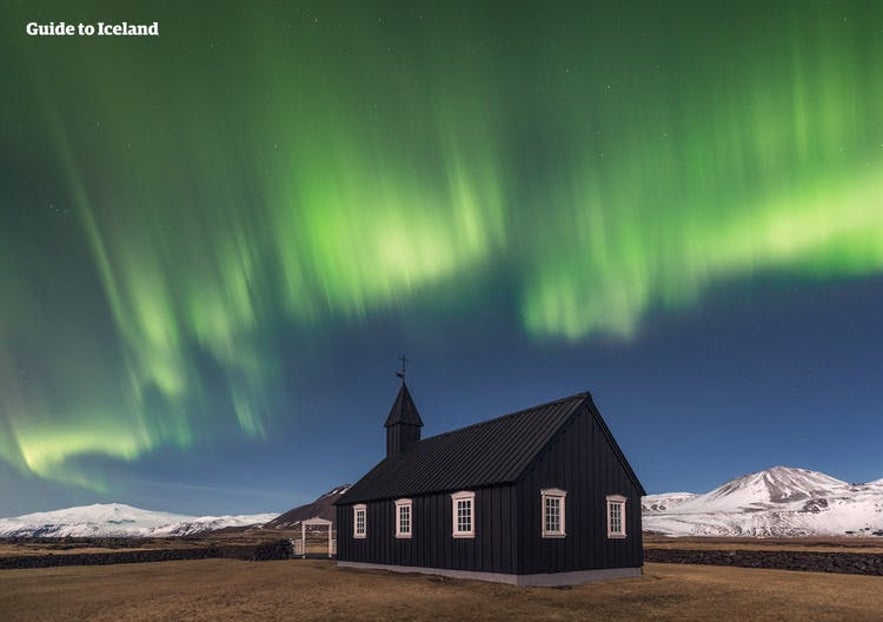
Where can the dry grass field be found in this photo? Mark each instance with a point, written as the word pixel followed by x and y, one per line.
pixel 318 590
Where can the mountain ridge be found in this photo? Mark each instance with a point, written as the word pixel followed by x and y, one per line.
pixel 322 507
pixel 778 501
pixel 121 520
pixel 118 520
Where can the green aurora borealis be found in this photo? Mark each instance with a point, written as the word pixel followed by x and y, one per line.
pixel 170 203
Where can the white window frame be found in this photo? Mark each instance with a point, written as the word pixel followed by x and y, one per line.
pixel 553 494
pixel 403 505
pixel 616 501
pixel 357 509
pixel 457 498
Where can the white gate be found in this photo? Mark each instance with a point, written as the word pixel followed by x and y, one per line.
pixel 300 546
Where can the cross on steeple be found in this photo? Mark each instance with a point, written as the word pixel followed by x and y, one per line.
pixel 401 372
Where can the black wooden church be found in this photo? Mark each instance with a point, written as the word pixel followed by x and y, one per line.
pixel 543 496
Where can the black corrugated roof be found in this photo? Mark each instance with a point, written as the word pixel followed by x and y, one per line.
pixel 403 409
pixel 487 453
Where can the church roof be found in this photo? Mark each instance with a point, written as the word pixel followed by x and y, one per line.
pixel 403 409
pixel 484 454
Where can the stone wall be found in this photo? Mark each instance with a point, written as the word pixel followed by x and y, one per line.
pixel 275 549
pixel 813 561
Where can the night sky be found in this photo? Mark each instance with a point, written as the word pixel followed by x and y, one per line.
pixel 215 243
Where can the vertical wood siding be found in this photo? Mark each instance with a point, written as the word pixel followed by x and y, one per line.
pixel 493 549
pixel 580 461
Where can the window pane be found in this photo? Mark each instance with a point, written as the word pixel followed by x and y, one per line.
pixel 404 519
pixel 464 515
pixel 615 514
pixel 553 514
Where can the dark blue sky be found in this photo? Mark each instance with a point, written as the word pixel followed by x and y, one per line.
pixel 215 243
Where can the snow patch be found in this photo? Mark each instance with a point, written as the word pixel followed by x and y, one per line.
pixel 665 501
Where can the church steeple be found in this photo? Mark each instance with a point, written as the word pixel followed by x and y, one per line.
pixel 403 423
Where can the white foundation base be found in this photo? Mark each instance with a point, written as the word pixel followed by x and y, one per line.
pixel 552 579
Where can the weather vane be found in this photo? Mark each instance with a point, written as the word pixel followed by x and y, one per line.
pixel 401 372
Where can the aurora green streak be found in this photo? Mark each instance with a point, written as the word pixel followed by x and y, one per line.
pixel 297 167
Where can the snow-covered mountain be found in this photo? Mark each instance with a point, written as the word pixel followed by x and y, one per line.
pixel 665 501
pixel 117 519
pixel 779 501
